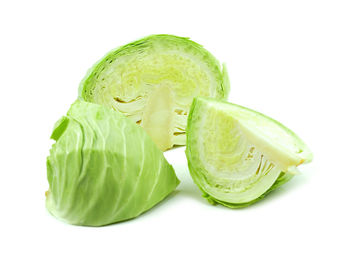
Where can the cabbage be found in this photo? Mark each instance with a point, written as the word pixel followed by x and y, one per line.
pixel 236 155
pixel 153 81
pixel 103 168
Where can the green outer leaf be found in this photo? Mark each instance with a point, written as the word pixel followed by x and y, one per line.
pixel 104 168
pixel 282 179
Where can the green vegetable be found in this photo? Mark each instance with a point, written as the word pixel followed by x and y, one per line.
pixel 104 168
pixel 153 81
pixel 236 155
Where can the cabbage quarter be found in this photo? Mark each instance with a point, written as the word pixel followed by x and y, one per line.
pixel 153 82
pixel 237 155
pixel 103 168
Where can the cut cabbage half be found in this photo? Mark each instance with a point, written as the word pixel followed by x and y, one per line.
pixel 153 81
pixel 237 155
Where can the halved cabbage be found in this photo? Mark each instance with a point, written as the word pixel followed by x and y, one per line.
pixel 237 155
pixel 104 168
pixel 153 81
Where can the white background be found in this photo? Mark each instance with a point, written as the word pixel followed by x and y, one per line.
pixel 288 59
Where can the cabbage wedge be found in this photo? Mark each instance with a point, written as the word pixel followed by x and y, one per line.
pixel 103 168
pixel 236 155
